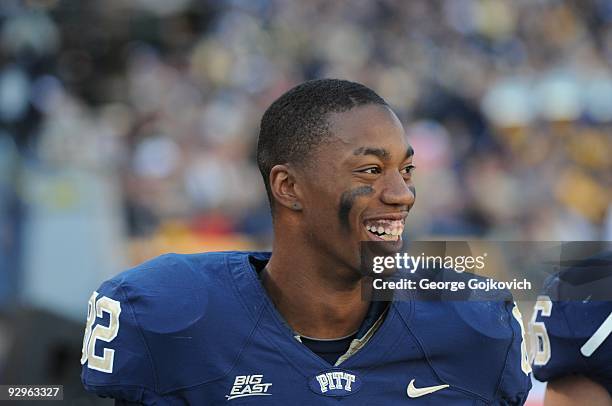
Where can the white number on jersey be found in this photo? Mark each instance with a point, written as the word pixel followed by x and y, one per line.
pixel 525 366
pixel 95 308
pixel 541 343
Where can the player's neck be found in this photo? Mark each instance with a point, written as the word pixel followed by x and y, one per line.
pixel 311 302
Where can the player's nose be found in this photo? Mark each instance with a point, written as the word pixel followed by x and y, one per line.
pixel 398 192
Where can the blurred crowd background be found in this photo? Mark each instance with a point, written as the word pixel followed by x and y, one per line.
pixel 128 129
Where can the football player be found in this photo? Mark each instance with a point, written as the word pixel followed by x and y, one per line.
pixel 572 327
pixel 291 327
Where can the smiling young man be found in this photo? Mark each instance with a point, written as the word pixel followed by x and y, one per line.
pixel 291 327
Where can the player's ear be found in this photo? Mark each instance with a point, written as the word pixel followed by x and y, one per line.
pixel 284 187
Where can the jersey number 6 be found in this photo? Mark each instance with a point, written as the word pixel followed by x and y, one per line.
pixel 96 309
pixel 541 343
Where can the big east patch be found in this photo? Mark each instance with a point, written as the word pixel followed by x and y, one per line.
pixel 248 385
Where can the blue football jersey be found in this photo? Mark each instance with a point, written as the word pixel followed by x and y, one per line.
pixel 200 329
pixel 572 324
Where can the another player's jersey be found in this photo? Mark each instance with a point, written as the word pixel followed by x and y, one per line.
pixel 200 329
pixel 572 325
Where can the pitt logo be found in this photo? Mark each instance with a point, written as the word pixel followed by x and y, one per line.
pixel 248 385
pixel 335 383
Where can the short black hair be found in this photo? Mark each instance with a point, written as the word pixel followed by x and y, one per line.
pixel 296 122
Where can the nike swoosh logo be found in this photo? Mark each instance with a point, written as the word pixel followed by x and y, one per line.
pixel 426 390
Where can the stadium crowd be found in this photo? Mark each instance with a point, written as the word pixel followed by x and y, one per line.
pixel 507 103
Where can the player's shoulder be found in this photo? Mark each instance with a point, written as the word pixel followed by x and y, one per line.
pixel 473 314
pixel 179 268
pixel 577 298
pixel 489 313
pixel 572 321
pixel 577 281
pixel 174 289
pixel 145 324
pixel 171 274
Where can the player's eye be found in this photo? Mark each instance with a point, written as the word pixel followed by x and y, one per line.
pixel 372 170
pixel 407 170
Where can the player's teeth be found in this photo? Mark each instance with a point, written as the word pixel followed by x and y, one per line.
pixel 392 228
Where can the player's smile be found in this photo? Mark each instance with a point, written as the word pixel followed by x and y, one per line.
pixel 387 227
